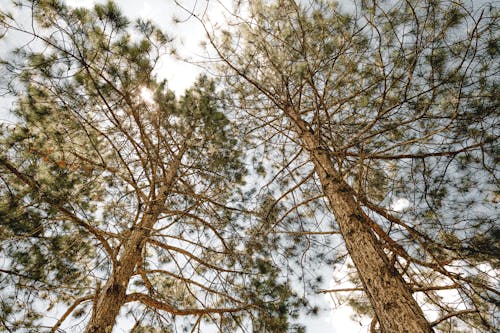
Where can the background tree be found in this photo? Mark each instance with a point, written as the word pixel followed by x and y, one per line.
pixel 113 191
pixel 385 100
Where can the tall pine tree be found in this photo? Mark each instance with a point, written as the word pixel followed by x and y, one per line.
pixel 113 191
pixel 379 103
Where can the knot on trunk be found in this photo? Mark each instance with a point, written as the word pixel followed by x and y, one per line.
pixel 115 289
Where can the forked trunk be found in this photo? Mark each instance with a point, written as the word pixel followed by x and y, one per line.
pixel 113 295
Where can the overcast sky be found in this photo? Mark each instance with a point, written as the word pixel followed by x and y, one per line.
pixel 180 75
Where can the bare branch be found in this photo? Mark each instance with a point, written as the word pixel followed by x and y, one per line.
pixel 70 310
pixel 453 314
pixel 149 301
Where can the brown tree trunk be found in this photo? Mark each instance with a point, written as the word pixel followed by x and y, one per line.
pixel 395 308
pixel 114 294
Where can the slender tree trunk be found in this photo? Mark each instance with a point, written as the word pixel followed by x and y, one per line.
pixel 114 294
pixel 395 308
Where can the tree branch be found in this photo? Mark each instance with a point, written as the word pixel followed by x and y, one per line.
pixel 453 314
pixel 56 204
pixel 189 255
pixel 147 300
pixel 69 310
pixel 412 287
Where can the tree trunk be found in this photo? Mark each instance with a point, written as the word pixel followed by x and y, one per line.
pixel 395 308
pixel 114 294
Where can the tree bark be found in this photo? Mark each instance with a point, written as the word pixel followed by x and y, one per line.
pixel 391 298
pixel 114 294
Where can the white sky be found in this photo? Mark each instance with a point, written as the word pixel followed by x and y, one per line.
pixel 180 75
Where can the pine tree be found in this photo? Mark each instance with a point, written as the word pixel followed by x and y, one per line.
pixel 385 100
pixel 114 193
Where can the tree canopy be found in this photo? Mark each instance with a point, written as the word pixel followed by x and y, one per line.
pixel 372 125
pixel 114 193
pixel 386 101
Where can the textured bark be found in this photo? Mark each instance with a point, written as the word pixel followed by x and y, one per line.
pixel 395 308
pixel 114 294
